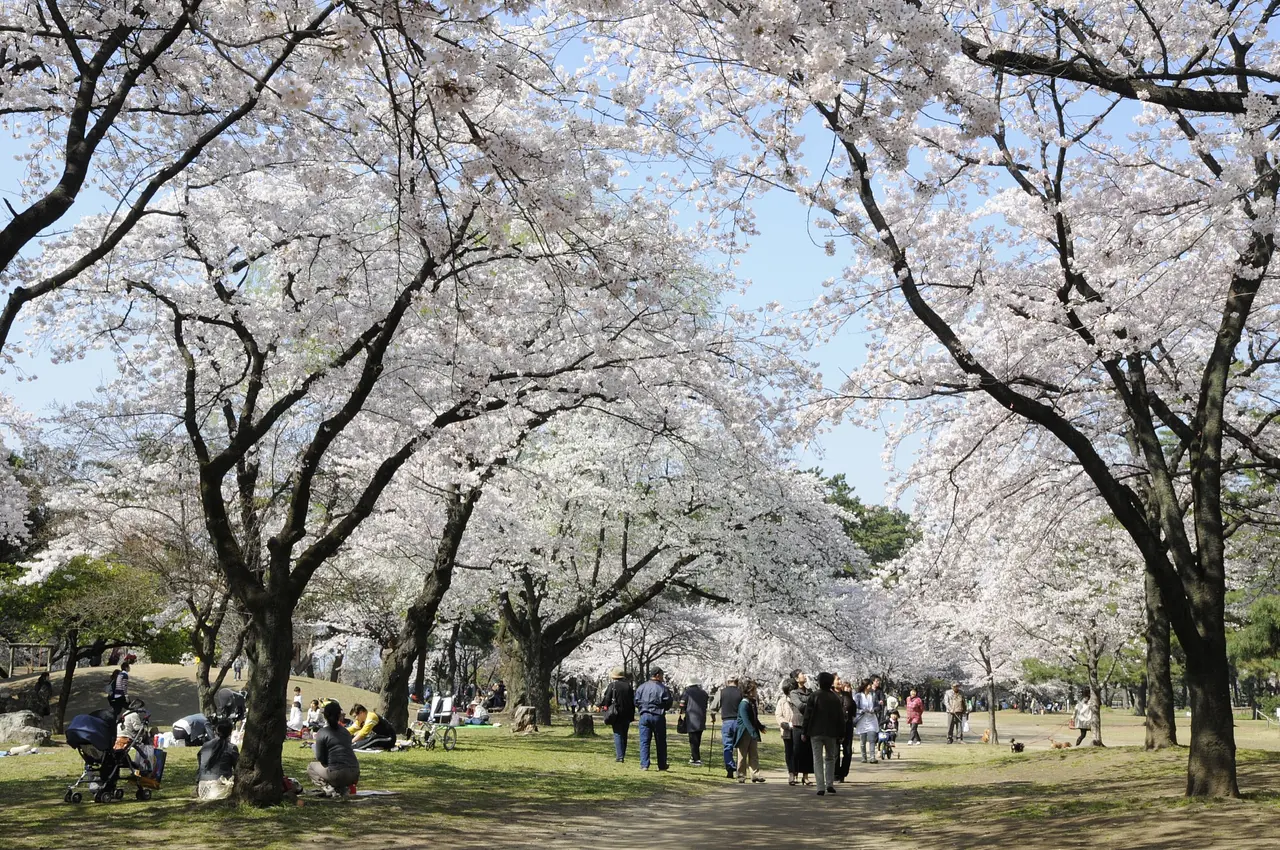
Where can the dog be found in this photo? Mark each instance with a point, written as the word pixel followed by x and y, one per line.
pixel 1060 745
pixel 986 736
pixel 1015 746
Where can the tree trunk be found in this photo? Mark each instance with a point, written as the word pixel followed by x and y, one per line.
pixel 420 678
pixel 1095 700
pixel 65 698
pixel 397 666
pixel 991 709
pixel 537 678
pixel 1157 688
pixel 1211 769
pixel 259 777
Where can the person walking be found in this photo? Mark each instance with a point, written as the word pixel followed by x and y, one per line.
pixel 653 698
pixel 865 723
pixel 915 716
pixel 824 726
pixel 618 702
pixel 954 704
pixel 725 704
pixel 878 697
pixel 237 667
pixel 693 706
pixel 1083 717
pixel 747 734
pixel 786 715
pixel 802 754
pixel 118 686
pixel 844 690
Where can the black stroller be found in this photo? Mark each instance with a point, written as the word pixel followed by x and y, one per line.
pixel 94 737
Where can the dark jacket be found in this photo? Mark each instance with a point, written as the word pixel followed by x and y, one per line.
pixel 880 700
pixel 749 725
pixel 725 703
pixel 217 760
pixel 333 748
pixel 693 702
pixel 620 693
pixel 825 716
pixel 800 702
pixel 846 702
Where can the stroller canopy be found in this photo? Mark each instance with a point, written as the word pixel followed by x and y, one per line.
pixel 89 730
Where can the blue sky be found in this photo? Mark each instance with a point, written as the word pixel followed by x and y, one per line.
pixel 782 263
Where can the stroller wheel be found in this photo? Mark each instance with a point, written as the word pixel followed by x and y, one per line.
pixel 101 797
pixel 66 798
pixel 119 794
pixel 75 798
pixel 144 794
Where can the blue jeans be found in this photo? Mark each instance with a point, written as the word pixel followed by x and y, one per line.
pixel 620 731
pixel 728 732
pixel 653 727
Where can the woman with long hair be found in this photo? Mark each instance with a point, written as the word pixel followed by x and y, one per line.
pixel 749 730
pixel 865 723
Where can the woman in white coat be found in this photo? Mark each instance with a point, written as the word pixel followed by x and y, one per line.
pixel 865 724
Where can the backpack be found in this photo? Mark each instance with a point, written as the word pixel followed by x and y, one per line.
pixel 111 684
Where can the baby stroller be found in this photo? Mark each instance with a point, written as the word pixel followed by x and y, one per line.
pixel 94 737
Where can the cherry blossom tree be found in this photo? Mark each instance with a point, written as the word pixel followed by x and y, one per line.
pixel 1020 246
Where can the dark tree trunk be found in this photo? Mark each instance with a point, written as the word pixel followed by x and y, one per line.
pixel 420 678
pixel 65 698
pixel 537 678
pixel 1156 693
pixel 411 646
pixel 259 777
pixel 1211 768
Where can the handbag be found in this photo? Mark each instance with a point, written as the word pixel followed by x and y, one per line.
pixel 682 725
pixel 610 714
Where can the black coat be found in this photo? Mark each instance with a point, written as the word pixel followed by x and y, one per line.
pixel 825 716
pixel 217 760
pixel 620 694
pixel 694 704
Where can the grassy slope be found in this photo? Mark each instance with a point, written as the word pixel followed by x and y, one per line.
pixel 169 690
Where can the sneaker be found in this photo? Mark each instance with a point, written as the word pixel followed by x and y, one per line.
pixel 619 761
pixel 696 762
pixel 831 789
pixel 821 793
pixel 742 780
pixel 757 779
pixel 875 761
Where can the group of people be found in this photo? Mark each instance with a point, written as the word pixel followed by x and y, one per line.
pixel 819 721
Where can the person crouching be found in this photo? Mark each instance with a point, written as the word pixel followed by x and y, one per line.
pixel 216 764
pixel 335 769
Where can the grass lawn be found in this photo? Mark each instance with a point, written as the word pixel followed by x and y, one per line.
pixel 498 789
pixel 491 778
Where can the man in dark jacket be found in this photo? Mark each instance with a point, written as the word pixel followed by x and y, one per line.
pixel 725 704
pixel 878 698
pixel 619 704
pixel 824 726
pixel 844 690
pixel 653 698
pixel 693 705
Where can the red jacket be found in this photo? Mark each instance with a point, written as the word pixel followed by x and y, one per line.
pixel 915 710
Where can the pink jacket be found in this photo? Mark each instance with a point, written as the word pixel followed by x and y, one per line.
pixel 915 710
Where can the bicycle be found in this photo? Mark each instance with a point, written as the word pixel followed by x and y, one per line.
pixel 426 733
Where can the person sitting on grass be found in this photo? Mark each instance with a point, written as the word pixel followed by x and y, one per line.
pixel 216 764
pixel 369 731
pixel 478 715
pixel 336 768
pixel 313 715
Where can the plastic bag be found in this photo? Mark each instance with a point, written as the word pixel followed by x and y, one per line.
pixel 965 727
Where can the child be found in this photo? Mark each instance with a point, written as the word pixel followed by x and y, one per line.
pixel 889 735
pixel 313 715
